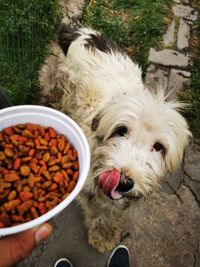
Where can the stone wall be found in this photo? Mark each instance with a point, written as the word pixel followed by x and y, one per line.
pixel 171 66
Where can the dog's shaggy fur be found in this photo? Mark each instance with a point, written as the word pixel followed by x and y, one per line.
pixel 136 137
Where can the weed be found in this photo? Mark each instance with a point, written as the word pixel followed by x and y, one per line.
pixel 25 29
pixel 193 96
pixel 134 25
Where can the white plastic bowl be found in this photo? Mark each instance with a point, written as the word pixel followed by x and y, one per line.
pixel 62 124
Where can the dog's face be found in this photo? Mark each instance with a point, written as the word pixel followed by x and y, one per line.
pixel 138 140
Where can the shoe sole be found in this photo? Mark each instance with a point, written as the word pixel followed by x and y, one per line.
pixel 63 259
pixel 113 251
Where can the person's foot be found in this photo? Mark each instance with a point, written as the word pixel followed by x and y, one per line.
pixel 63 262
pixel 119 257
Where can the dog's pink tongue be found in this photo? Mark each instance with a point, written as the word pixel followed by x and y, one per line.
pixel 108 181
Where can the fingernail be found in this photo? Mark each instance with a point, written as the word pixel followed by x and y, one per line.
pixel 42 233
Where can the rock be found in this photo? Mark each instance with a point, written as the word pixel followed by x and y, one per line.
pixel 191 162
pixel 187 197
pixel 194 187
pixel 75 8
pixel 173 182
pixel 197 255
pixel 177 81
pixel 168 57
pixel 191 169
pixel 185 12
pixel 187 2
pixel 168 38
pixel 163 232
pixel 72 11
pixel 183 35
pixel 156 76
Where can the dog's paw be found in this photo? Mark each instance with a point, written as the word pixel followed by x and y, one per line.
pixel 102 236
pixel 101 244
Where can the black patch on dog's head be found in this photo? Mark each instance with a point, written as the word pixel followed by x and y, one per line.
pixel 101 42
pixel 66 36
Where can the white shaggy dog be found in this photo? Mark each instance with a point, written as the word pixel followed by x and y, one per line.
pixel 135 136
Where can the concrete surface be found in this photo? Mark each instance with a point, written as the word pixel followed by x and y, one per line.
pixel 68 240
pixel 168 57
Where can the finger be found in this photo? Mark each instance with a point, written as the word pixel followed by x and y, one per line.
pixel 16 248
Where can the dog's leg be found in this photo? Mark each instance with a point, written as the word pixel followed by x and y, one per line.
pixel 102 225
pixel 103 233
pixel 49 71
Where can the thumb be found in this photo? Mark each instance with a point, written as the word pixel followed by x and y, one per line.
pixel 16 248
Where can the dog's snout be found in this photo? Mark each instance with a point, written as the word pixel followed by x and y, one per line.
pixel 125 185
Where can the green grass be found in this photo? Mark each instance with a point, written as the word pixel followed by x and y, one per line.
pixel 134 25
pixel 25 29
pixel 193 97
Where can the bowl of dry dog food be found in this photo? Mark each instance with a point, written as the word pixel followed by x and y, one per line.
pixel 44 162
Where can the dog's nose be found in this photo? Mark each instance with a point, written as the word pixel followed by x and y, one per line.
pixel 125 185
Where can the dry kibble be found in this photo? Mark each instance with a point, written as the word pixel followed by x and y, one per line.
pixel 6 185
pixel 47 184
pixel 75 176
pixel 5 219
pixel 61 144
pixel 54 168
pixel 8 152
pixel 16 164
pixel 11 204
pixel 53 162
pixel 24 207
pixel 43 142
pixel 12 195
pixel 11 177
pixel 47 175
pixel 34 213
pixel 27 133
pixel 46 157
pixel 53 142
pixel 65 159
pixel 30 144
pixel 25 170
pixel 38 169
pixel 2 155
pixel 71 186
pixel 54 150
pixel 24 195
pixel 8 131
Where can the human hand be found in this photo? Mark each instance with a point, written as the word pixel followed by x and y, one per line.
pixel 16 248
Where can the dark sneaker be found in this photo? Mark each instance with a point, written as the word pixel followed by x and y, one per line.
pixel 119 257
pixel 4 101
pixel 63 262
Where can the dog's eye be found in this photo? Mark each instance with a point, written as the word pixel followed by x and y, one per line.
pixel 158 147
pixel 120 131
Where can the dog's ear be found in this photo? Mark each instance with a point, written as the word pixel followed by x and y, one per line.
pixel 66 36
pixel 95 123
